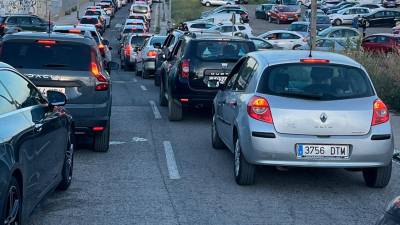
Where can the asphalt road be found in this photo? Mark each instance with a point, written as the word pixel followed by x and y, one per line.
pixel 131 184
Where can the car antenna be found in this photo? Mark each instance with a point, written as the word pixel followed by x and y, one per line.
pixel 310 43
pixel 49 31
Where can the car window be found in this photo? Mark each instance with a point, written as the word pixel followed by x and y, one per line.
pixel 379 14
pixel 24 21
pixel 288 36
pixel 225 29
pixel 88 21
pixel 224 50
pixel 349 33
pixel 138 40
pixel 157 40
pixel 238 67
pixel 198 25
pixel 336 34
pixel 12 21
pixel 245 74
pixel 23 92
pixel 315 81
pixel 382 39
pixel 36 21
pixel 6 102
pixel 262 44
pixel 242 27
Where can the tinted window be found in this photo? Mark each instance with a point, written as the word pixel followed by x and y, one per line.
pixel 227 29
pixel 298 27
pixel 245 74
pixel 24 21
pixel 59 56
pixel 138 40
pixel 133 31
pixel 6 103
pixel 23 93
pixel 260 44
pixel 315 81
pixel 139 9
pixel 88 21
pixel 288 36
pixel 36 21
pixel 222 50
pixel 12 21
pixel 382 39
pixel 92 13
pixel 198 25
pixel 157 40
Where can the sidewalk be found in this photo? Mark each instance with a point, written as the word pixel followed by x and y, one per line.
pixel 72 18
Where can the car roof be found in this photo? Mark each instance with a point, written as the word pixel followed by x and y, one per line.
pixel 282 57
pixel 212 36
pixel 80 27
pixel 302 23
pixel 28 35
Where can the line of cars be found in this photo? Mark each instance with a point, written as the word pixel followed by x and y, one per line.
pixel 55 90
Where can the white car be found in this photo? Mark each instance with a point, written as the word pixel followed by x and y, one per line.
pixel 230 29
pixel 136 22
pixel 99 12
pixel 346 16
pixel 284 39
pixel 141 9
pixel 217 2
pixel 199 25
pixel 223 17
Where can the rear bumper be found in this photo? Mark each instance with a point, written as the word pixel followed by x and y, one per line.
pixel 149 64
pixel 281 149
pixel 190 97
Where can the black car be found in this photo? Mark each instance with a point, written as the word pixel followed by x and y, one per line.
pixel 36 144
pixel 326 9
pixel 71 64
pixel 381 18
pixel 200 63
pixel 262 11
pixel 162 65
pixel 342 6
pixel 24 22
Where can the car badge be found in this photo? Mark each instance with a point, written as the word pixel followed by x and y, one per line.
pixel 224 65
pixel 323 117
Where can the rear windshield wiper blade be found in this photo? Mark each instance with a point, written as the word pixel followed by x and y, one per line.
pixel 301 95
pixel 55 65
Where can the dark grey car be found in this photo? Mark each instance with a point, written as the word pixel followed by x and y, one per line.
pixel 35 143
pixel 68 63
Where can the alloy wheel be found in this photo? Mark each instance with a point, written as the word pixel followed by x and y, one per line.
pixel 12 207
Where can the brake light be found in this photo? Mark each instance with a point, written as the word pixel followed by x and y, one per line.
pixel 46 42
pixel 97 129
pixel 185 68
pixel 314 60
pixel 2 26
pixel 152 53
pixel 103 81
pixel 74 31
pixel 380 113
pixel 127 50
pixel 258 109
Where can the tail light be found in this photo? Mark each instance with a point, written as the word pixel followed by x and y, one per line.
pixel 46 42
pixel 127 50
pixel 151 53
pixel 185 68
pixel 380 113
pixel 102 84
pixel 243 14
pixel 258 109
pixel 3 26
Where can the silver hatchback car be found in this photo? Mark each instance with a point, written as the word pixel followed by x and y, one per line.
pixel 284 109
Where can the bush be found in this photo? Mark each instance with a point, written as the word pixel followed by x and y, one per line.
pixel 186 10
pixel 384 70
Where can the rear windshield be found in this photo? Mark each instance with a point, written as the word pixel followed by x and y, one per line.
pixel 315 81
pixel 133 31
pixel 138 40
pixel 139 9
pixel 92 13
pixel 65 56
pixel 88 21
pixel 94 35
pixel 157 40
pixel 136 17
pixel 298 27
pixel 283 8
pixel 222 50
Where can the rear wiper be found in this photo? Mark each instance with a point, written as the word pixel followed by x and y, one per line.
pixel 55 65
pixel 302 95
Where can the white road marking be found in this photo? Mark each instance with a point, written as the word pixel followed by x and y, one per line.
pixel 138 139
pixel 143 87
pixel 134 80
pixel 156 112
pixel 118 25
pixel 171 164
pixel 117 142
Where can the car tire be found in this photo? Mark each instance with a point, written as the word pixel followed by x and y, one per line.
pixel 161 99
pixel 208 4
pixel 174 110
pixel 101 141
pixel 378 177
pixel 337 22
pixel 244 172
pixel 14 194
pixel 215 139
pixel 68 166
pixel 296 47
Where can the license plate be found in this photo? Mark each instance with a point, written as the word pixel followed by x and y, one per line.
pixel 310 151
pixel 44 90
pixel 221 80
pixel 290 18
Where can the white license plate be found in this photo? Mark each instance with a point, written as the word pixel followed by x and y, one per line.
pixel 290 18
pixel 322 151
pixel 221 80
pixel 44 90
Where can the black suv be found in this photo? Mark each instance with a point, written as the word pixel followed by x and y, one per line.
pixel 71 64
pixel 168 45
pixel 24 22
pixel 200 63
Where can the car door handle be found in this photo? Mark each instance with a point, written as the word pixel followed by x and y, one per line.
pixel 38 127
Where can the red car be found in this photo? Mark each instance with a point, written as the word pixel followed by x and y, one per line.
pixel 283 13
pixel 385 43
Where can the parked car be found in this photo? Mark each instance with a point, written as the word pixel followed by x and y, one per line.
pixel 340 121
pixel 382 43
pixel 36 141
pixel 95 21
pixel 102 44
pixel 221 8
pixel 130 45
pixel 371 6
pixel 137 22
pixel 340 33
pixel 209 3
pixel 146 58
pixel 162 65
pixel 282 13
pixel 329 45
pixel 99 12
pixel 334 7
pixel 198 25
pixel 302 28
pixel 70 64
pixel 229 29
pixel 391 216
pixel 262 11
pixel 344 6
pixel 284 39
pixel 389 3
pixel 199 65
pixel 24 22
pixel 225 15
pixel 381 18
pixel 346 16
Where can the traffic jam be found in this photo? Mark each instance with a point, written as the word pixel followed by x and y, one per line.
pixel 243 77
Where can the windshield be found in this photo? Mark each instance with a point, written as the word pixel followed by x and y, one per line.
pixel 88 21
pixel 92 13
pixel 157 40
pixel 283 8
pixel 324 33
pixel 133 31
pixel 289 2
pixel 138 40
pixel 298 27
pixel 315 81
pixel 139 9
pixel 323 20
pixel 222 50
pixel 64 56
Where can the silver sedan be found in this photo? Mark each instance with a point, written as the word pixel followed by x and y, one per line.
pixel 284 109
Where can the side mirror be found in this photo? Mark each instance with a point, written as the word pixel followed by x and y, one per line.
pixel 157 45
pixel 164 56
pixel 105 42
pixel 56 98
pixel 136 49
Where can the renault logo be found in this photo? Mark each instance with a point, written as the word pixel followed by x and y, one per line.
pixel 323 117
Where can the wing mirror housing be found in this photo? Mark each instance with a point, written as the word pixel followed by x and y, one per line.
pixel 56 98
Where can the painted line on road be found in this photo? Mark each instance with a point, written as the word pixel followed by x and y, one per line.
pixel 156 112
pixel 171 163
pixel 118 25
pixel 143 87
